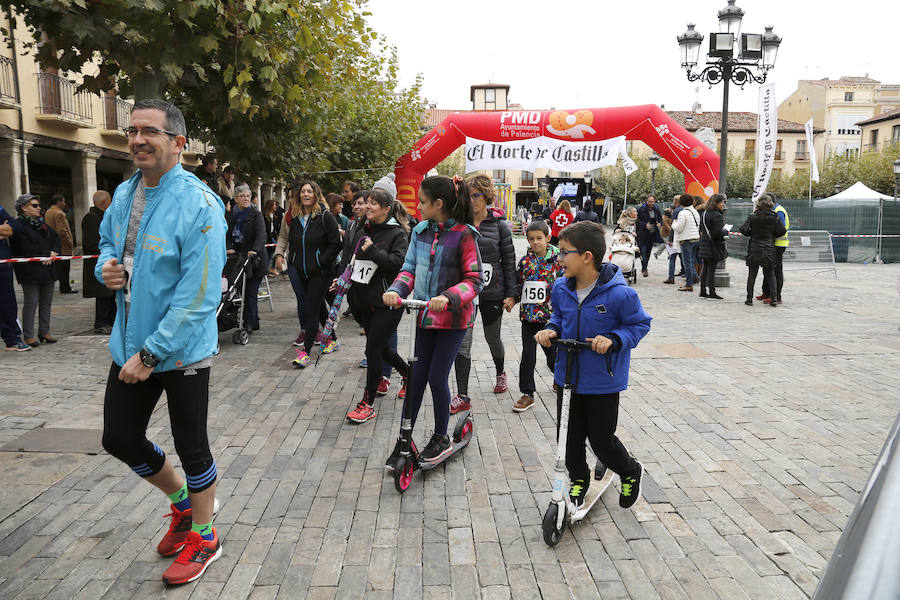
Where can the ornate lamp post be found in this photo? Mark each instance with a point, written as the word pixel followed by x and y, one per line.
pixel 654 163
pixel 753 63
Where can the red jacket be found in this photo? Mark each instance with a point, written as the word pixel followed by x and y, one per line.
pixel 558 220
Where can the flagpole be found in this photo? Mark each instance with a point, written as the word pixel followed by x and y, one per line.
pixel 626 188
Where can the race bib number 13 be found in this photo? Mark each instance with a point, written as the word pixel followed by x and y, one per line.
pixel 534 292
pixel 363 270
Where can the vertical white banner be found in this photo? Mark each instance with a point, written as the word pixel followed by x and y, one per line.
pixel 628 165
pixel 766 134
pixel 811 148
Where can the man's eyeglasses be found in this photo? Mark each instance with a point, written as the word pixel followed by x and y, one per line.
pixel 564 253
pixel 147 132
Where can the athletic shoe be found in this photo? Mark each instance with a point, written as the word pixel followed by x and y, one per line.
pixel 302 359
pixel 179 527
pixel 364 363
pixel 715 297
pixel 459 403
pixel 578 491
pixel 402 393
pixel 631 488
pixel 669 280
pixel 300 339
pixel 391 462
pixel 320 339
pixel 19 346
pixel 523 403
pixel 767 300
pixel 193 559
pixel 439 447
pixel 331 346
pixel 363 411
pixel 703 294
pixel 762 297
pixel 500 387
pixel 383 386
pixel 644 273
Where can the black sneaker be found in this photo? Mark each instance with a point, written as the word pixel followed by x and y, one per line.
pixel 578 491
pixel 394 458
pixel 437 448
pixel 599 471
pixel 631 488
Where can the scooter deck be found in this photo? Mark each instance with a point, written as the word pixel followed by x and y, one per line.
pixel 454 448
pixel 594 493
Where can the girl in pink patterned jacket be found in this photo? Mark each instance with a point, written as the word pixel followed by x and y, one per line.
pixel 443 266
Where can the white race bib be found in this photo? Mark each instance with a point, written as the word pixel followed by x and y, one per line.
pixel 363 270
pixel 534 292
pixel 487 273
pixel 128 262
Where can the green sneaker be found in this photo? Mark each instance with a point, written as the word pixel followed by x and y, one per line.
pixel 631 488
pixel 578 491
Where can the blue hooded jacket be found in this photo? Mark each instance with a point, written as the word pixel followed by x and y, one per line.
pixel 177 271
pixel 613 310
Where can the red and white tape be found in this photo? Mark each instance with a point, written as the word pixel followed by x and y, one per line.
pixel 843 235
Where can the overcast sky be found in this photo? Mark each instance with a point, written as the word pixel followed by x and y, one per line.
pixel 592 54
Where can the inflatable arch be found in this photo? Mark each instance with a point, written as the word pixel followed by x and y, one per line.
pixel 647 123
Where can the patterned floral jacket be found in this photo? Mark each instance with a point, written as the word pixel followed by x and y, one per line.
pixel 546 269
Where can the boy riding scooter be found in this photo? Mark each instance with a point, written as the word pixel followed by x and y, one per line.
pixel 593 303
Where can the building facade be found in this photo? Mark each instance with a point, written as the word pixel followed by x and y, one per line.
pixel 880 132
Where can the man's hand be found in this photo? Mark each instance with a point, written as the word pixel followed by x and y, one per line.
pixel 509 303
pixel 544 336
pixel 438 303
pixel 229 252
pixel 113 275
pixel 53 254
pixel 391 299
pixel 600 344
pixel 134 370
pixel 279 261
pixel 647 226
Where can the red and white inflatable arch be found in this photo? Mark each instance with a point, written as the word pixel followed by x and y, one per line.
pixel 647 123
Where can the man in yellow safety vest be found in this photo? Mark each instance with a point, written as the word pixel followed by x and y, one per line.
pixel 781 244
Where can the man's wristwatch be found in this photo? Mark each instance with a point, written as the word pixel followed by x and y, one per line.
pixel 148 359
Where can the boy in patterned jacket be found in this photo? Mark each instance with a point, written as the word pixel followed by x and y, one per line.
pixel 537 272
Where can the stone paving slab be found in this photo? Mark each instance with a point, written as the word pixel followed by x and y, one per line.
pixel 755 431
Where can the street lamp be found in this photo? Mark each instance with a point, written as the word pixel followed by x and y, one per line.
pixel 896 176
pixel 757 53
pixel 654 162
pixel 587 188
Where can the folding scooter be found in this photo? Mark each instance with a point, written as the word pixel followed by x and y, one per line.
pixel 409 455
pixel 561 506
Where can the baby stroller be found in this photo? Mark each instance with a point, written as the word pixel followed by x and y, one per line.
pixel 623 251
pixel 230 313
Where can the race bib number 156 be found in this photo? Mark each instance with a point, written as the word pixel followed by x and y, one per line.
pixel 534 292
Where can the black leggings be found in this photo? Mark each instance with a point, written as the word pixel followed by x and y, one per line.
pixel 310 296
pixel 127 408
pixel 529 356
pixel 491 315
pixel 708 275
pixel 379 324
pixel 594 417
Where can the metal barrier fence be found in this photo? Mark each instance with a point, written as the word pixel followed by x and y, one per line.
pixel 864 562
pixel 813 250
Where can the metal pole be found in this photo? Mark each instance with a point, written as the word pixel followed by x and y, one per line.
pixel 653 182
pixel 723 279
pixel 626 188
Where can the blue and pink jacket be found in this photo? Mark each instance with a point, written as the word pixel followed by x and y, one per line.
pixel 442 258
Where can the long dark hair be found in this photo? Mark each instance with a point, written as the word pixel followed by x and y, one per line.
pixel 397 210
pixel 714 201
pixel 455 194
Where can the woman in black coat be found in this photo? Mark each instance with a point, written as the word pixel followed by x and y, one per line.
pixel 712 244
pixel 32 237
pixel 247 237
pixel 105 298
pixel 762 227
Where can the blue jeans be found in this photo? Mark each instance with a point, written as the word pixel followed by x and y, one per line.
pixel 688 251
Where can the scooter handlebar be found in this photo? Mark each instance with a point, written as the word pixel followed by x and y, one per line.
pixel 413 304
pixel 573 343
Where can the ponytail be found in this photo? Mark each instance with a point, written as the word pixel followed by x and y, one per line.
pixel 455 194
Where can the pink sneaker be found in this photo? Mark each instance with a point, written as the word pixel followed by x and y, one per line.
pixel 383 386
pixel 500 387
pixel 459 403
pixel 302 359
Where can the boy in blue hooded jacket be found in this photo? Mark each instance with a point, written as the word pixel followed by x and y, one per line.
pixel 594 303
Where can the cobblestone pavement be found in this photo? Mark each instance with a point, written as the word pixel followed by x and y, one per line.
pixel 758 428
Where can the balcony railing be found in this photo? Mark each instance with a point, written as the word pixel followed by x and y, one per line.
pixel 801 156
pixel 59 98
pixel 7 82
pixel 116 114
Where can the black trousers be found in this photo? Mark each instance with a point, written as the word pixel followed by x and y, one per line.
pixel 708 276
pixel 9 326
pixel 61 273
pixel 593 417
pixel 779 274
pixel 127 409
pixel 529 356
pixel 104 311
pixel 646 246
pixel 768 279
pixel 379 325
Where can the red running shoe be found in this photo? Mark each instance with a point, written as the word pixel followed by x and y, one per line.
pixel 402 393
pixel 762 297
pixel 194 558
pixel 363 411
pixel 383 386
pixel 173 541
pixel 459 403
pixel 500 387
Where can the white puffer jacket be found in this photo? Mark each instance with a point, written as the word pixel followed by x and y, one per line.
pixel 687 225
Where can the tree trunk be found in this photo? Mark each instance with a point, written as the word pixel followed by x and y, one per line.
pixel 147 86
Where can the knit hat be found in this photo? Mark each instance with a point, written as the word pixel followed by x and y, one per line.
pixel 386 184
pixel 25 198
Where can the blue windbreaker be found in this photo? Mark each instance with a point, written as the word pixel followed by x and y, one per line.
pixel 612 309
pixel 176 279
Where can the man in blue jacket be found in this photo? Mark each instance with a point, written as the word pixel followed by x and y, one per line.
pixel 593 303
pixel 162 247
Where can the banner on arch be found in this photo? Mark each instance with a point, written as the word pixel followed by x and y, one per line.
pixel 542 152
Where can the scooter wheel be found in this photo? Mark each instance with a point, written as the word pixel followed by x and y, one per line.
pixel 241 336
pixel 552 535
pixel 403 473
pixel 463 430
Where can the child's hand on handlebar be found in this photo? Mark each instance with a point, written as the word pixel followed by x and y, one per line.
pixel 391 299
pixel 438 303
pixel 600 344
pixel 544 337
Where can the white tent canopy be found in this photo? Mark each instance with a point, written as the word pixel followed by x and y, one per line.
pixel 858 192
